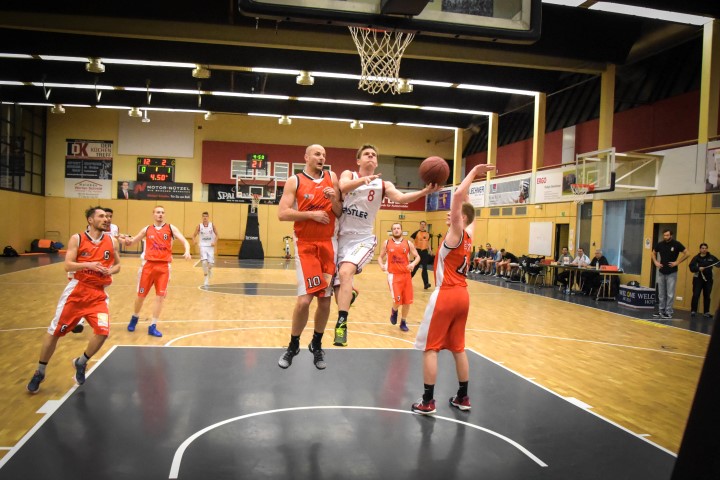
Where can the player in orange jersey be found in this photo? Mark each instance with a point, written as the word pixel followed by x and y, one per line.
pixel 155 270
pixel 311 199
pixel 443 325
pixel 394 260
pixel 93 257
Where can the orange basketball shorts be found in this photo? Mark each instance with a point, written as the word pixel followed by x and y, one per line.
pixel 154 273
pixel 315 266
pixel 79 300
pixel 443 324
pixel 401 288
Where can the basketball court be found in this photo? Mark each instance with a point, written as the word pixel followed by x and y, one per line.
pixel 154 412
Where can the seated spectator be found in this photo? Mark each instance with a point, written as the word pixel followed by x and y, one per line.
pixel 591 279
pixel 486 263
pixel 564 259
pixel 581 260
pixel 504 267
pixel 477 259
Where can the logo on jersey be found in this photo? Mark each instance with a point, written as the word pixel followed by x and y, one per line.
pixel 141 290
pixel 308 196
pixel 63 328
pixel 85 254
pixel 354 212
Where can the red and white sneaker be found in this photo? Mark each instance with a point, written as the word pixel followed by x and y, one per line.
pixel 461 403
pixel 424 408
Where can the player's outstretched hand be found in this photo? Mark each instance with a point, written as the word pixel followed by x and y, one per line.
pixel 432 188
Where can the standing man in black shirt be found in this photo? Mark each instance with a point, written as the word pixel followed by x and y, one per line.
pixel 665 257
pixel 421 239
pixel 701 266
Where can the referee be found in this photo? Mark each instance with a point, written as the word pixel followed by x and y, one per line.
pixel 421 239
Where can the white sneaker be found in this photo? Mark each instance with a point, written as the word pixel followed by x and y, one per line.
pixel 207 281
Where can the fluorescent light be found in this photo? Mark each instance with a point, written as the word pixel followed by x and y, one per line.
pixel 651 13
pixel 147 63
pixel 565 3
pixel 485 88
pixel 332 100
pixel 279 71
pixel 420 125
pixel 342 76
pixel 455 110
pixel 15 55
pixel 12 83
pixel 400 105
pixel 60 58
pixel 248 95
pixel 428 83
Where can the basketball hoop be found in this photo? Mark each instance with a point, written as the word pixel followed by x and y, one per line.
pixel 255 201
pixel 380 55
pixel 580 190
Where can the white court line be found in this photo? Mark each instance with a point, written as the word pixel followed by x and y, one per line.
pixel 46 417
pixel 566 400
pixel 177 458
pixel 585 341
pixel 170 343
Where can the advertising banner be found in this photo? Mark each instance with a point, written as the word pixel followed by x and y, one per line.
pixel 476 195
pixel 91 159
pixel 176 192
pixel 87 188
pixel 509 191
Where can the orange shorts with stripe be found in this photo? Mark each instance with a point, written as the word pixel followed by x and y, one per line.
pixel 443 325
pixel 79 301
pixel 154 273
pixel 401 288
pixel 314 261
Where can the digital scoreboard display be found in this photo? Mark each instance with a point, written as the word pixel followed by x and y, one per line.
pixel 155 169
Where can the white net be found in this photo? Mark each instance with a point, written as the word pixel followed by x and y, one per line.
pixel 579 192
pixel 380 55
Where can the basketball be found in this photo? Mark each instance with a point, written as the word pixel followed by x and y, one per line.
pixel 434 170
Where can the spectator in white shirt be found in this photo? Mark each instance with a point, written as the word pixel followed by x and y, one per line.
pixel 581 260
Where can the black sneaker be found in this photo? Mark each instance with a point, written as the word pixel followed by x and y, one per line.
pixel 79 376
pixel 707 315
pixel 666 316
pixel 355 293
pixel 693 314
pixel 658 315
pixel 318 357
pixel 287 357
pixel 34 385
pixel 341 334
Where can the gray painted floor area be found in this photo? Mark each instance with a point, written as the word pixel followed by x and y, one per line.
pixel 142 412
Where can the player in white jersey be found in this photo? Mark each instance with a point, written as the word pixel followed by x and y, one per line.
pixel 208 239
pixel 363 192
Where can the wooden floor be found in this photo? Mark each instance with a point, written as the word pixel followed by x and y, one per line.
pixel 638 374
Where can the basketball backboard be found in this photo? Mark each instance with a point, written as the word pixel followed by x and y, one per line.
pixel 508 21
pixel 596 169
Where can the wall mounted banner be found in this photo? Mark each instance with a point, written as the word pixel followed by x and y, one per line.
pixel 87 188
pixel 175 192
pixel 509 191
pixel 416 206
pixel 712 170
pixel 225 193
pixel 476 195
pixel 439 200
pixel 90 159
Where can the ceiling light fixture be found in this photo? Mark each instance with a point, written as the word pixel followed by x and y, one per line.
pixel 145 118
pixel 284 120
pixel 209 116
pixel 356 125
pixel 95 65
pixel 304 78
pixel 404 85
pixel 134 112
pixel 57 109
pixel 201 71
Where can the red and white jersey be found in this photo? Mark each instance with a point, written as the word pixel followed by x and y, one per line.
pixel 90 250
pixel 452 262
pixel 158 243
pixel 397 253
pixel 207 235
pixel 309 197
pixel 361 206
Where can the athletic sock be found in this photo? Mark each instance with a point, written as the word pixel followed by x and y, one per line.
pixel 429 392
pixel 317 340
pixel 41 367
pixel 342 316
pixel 294 342
pixel 462 391
pixel 83 359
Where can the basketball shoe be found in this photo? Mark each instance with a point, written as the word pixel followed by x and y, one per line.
pixel 341 334
pixel 133 323
pixel 424 408
pixel 393 316
pixel 35 381
pixel 287 357
pixel 153 331
pixel 318 357
pixel 403 326
pixel 460 403
pixel 355 294
pixel 79 376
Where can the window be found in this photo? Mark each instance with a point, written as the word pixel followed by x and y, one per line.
pixel 585 228
pixel 22 148
pixel 623 226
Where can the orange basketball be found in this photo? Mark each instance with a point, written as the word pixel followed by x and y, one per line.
pixel 434 170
